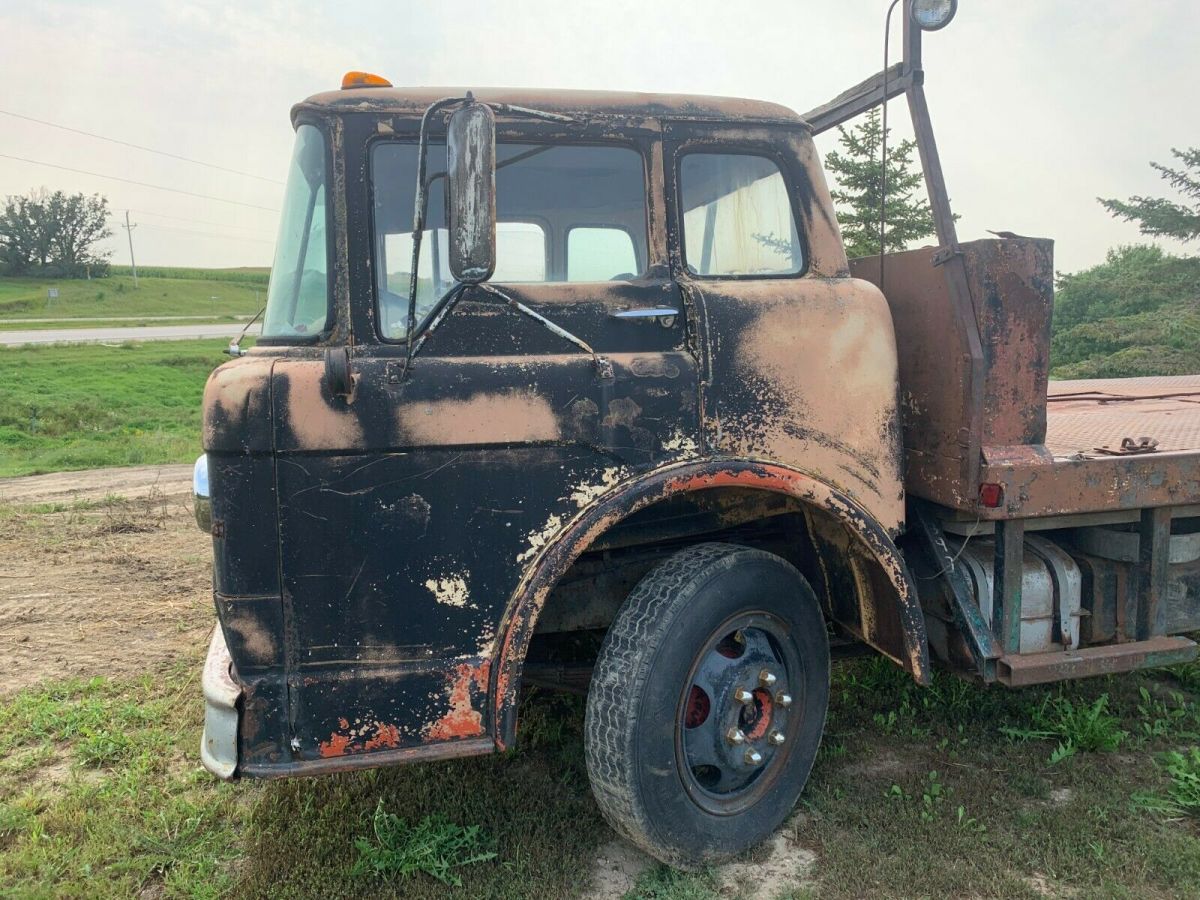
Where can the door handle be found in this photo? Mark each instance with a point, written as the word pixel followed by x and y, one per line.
pixel 648 312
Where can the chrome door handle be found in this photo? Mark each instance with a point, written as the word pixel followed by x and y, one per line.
pixel 649 312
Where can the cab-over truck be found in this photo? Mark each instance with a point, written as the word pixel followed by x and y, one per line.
pixel 582 388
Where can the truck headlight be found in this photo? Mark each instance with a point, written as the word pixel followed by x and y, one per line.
pixel 930 15
pixel 201 499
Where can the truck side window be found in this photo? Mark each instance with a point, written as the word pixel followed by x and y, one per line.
pixel 737 217
pixel 600 254
pixel 545 194
pixel 298 292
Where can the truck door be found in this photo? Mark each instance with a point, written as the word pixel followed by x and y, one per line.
pixel 410 507
pixel 804 369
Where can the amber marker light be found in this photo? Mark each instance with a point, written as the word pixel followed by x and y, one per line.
pixel 363 79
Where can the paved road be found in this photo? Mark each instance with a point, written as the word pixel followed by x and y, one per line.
pixel 117 335
pixel 68 320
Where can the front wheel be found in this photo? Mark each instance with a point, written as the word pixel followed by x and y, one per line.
pixel 707 703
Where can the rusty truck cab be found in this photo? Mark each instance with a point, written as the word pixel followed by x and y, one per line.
pixel 582 388
pixel 678 335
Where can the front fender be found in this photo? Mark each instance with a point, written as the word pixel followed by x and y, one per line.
pixel 559 553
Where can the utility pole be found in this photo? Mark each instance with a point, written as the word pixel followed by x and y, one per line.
pixel 133 263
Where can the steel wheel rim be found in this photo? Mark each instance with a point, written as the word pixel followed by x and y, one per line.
pixel 715 764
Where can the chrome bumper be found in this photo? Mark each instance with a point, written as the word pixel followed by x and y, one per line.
pixel 219 743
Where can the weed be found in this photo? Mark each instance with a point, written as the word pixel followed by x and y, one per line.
pixel 1078 726
pixel 1160 719
pixel 932 797
pixel 1183 796
pixel 434 845
pixel 1187 674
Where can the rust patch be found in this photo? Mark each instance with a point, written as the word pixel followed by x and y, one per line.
pixel 463 720
pixel 511 417
pixel 362 739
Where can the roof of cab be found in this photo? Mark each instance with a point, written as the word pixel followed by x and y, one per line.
pixel 414 100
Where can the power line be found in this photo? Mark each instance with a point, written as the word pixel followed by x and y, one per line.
pixel 157 187
pixel 159 215
pixel 100 137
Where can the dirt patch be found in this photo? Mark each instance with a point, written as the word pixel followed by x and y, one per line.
pixel 780 865
pixel 882 764
pixel 616 869
pixel 89 485
pixel 786 867
pixel 97 586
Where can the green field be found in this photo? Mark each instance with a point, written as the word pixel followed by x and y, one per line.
pixel 174 292
pixel 84 406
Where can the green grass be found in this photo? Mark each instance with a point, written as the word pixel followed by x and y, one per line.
pixel 115 296
pixel 435 846
pixel 84 406
pixel 247 274
pixel 98 797
pixel 934 801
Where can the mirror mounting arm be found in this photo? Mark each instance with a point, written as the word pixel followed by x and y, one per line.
pixel 420 204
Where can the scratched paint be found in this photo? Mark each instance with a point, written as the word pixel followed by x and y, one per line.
pixel 450 590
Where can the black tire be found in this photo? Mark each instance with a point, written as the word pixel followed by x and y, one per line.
pixel 660 773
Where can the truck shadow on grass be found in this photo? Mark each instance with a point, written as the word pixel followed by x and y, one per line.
pixel 954 790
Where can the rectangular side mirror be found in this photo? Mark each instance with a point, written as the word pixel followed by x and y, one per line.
pixel 471 177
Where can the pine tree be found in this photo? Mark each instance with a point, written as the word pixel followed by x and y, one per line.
pixel 858 171
pixel 1161 217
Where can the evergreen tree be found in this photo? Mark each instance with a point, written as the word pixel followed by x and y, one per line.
pixel 1161 217
pixel 858 171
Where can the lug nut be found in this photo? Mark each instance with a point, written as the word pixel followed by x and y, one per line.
pixel 735 736
pixel 784 700
pixel 743 696
pixel 766 678
pixel 753 758
pixel 776 738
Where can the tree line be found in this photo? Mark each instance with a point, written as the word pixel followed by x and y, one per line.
pixel 54 234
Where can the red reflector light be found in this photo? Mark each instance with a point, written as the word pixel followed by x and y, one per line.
pixel 991 495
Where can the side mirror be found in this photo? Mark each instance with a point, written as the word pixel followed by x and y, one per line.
pixel 471 178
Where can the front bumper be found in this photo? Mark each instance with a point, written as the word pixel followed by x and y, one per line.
pixel 219 743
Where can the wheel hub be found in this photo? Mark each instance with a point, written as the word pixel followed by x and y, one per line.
pixel 736 719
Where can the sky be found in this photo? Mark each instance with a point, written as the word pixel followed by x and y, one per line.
pixel 1039 106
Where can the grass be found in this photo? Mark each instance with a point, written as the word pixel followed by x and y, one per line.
pixel 435 846
pixel 100 796
pixel 167 293
pixel 83 406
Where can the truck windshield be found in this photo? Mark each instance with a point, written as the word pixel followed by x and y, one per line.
pixel 298 293
pixel 564 213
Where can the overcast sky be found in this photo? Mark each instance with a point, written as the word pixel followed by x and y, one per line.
pixel 1039 105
